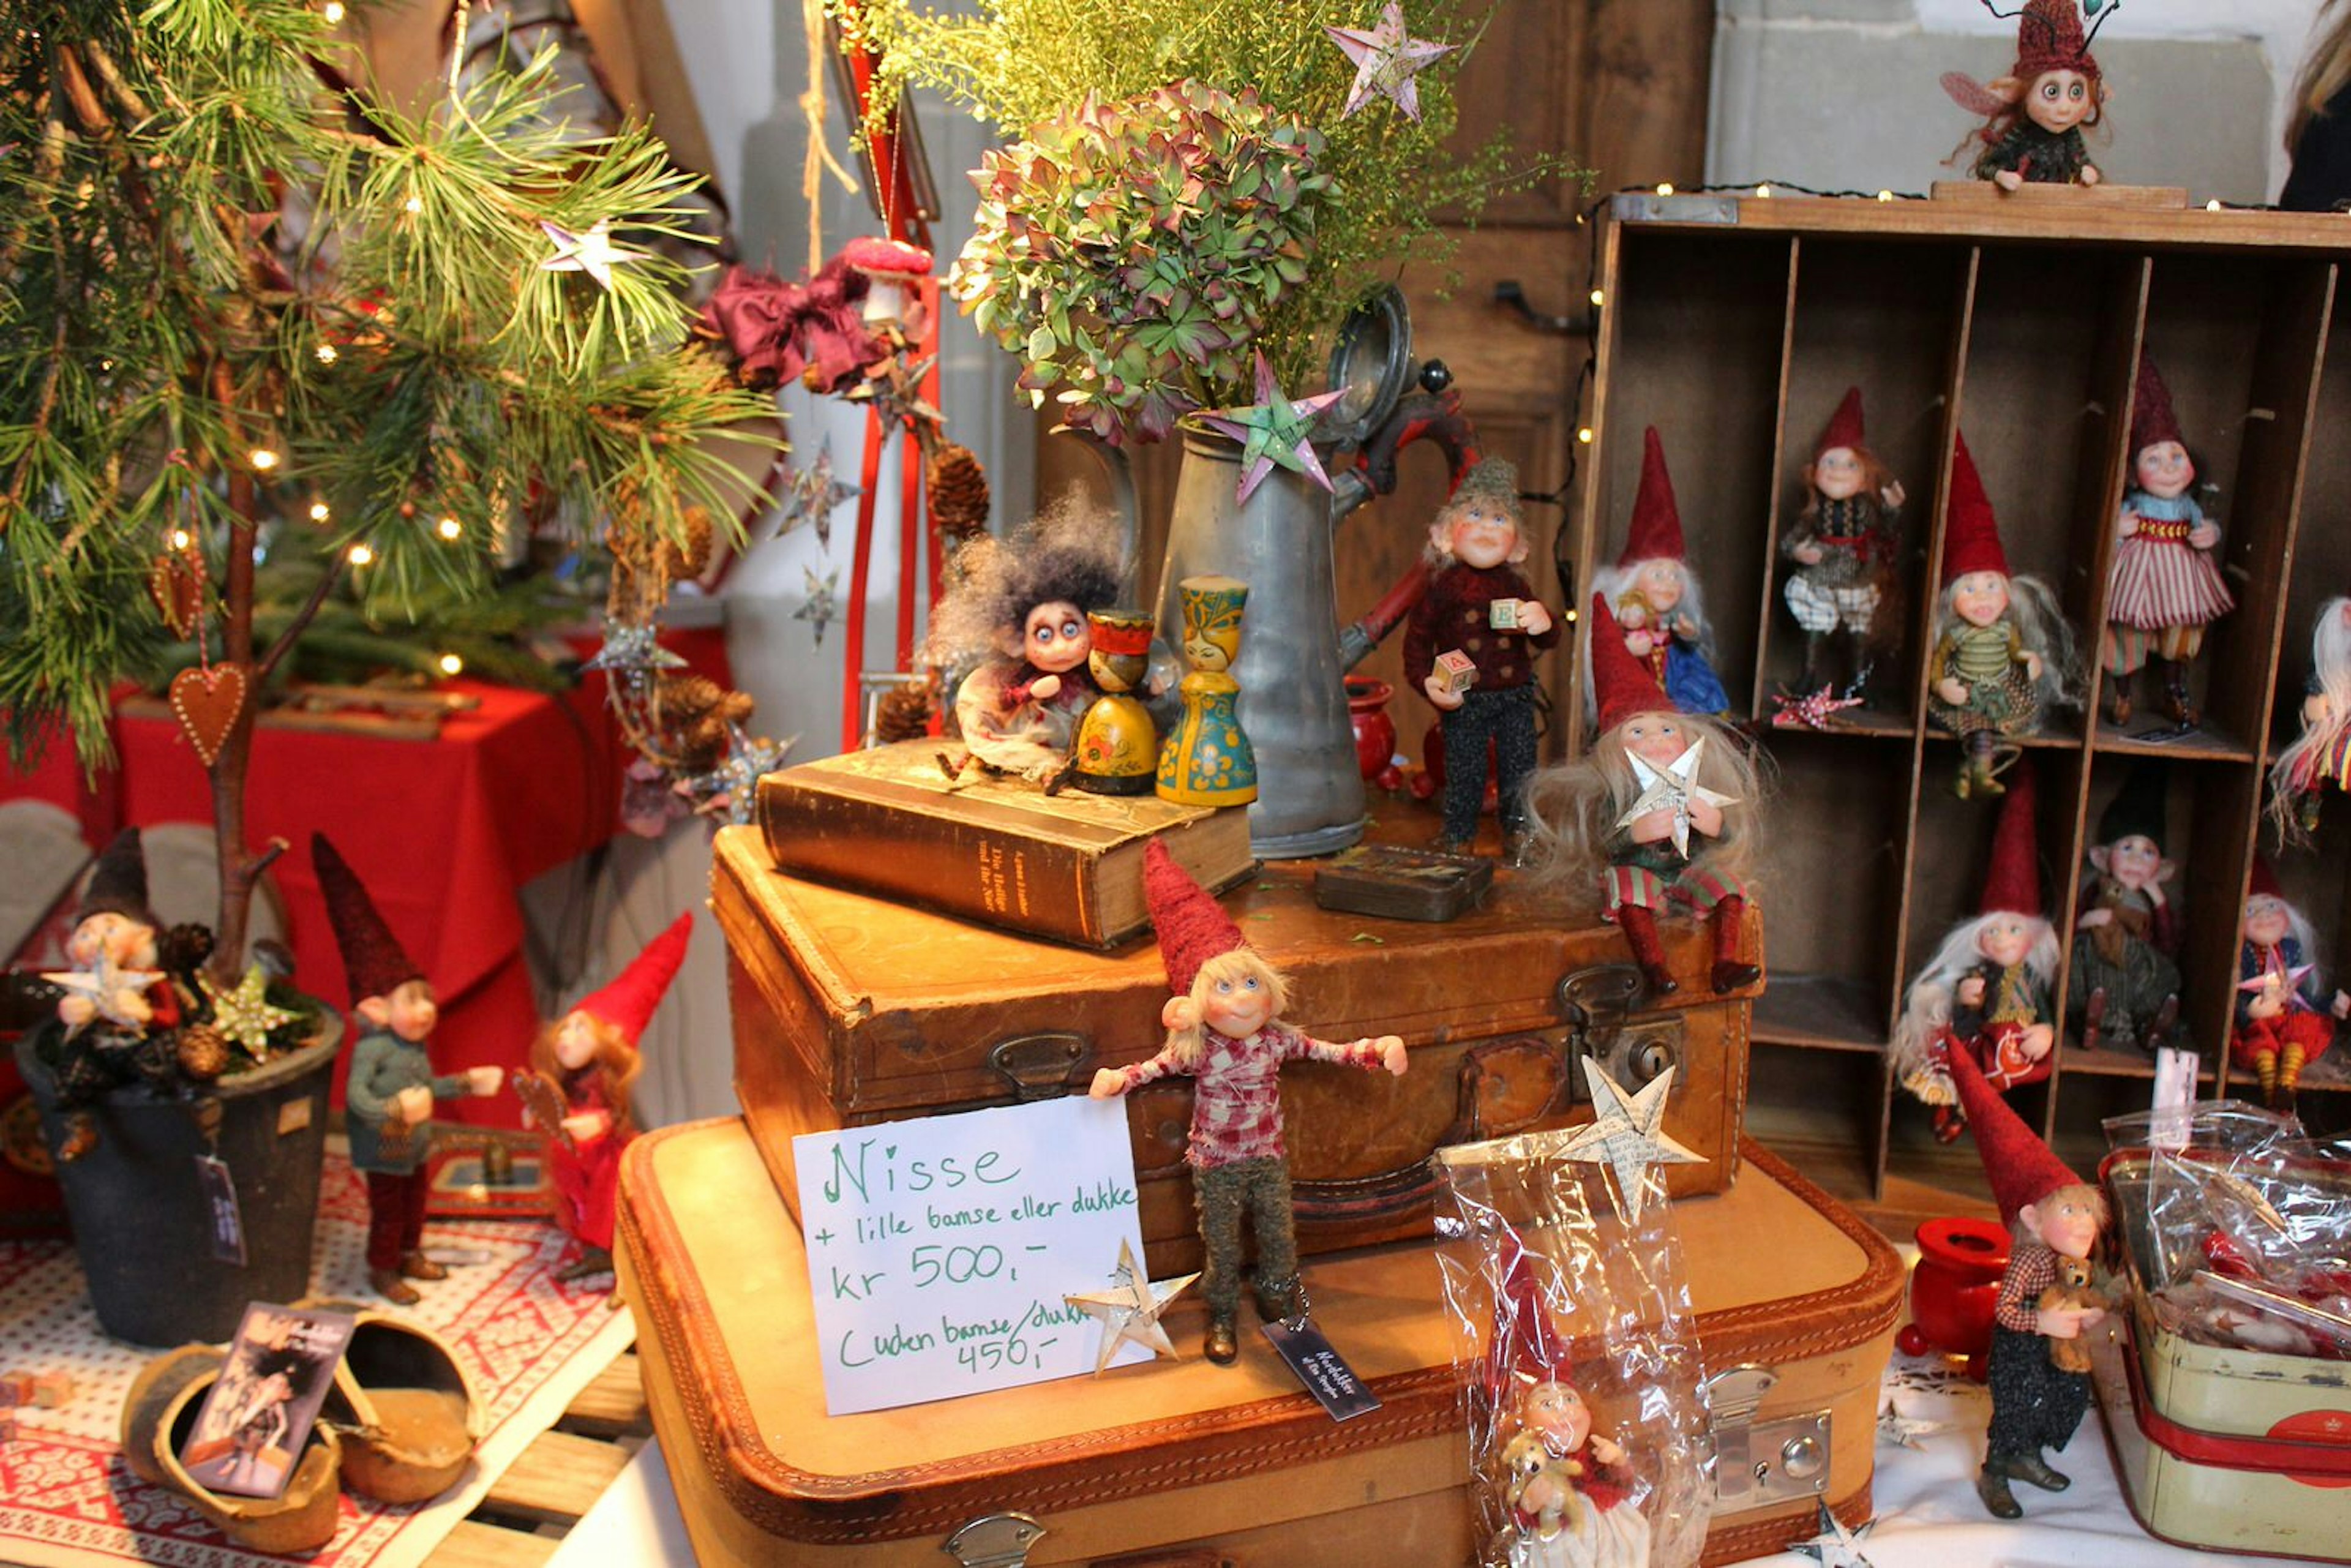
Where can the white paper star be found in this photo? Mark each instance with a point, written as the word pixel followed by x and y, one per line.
pixel 1130 1309
pixel 1835 1546
pixel 1628 1136
pixel 592 252
pixel 1388 59
pixel 1904 1431
pixel 823 606
pixel 811 496
pixel 101 984
pixel 1673 790
pixel 1275 431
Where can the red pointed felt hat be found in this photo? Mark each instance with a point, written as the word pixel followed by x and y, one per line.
pixel 118 884
pixel 1844 426
pixel 1193 926
pixel 2012 882
pixel 628 1000
pixel 2264 883
pixel 1971 534
pixel 2020 1165
pixel 2049 38
pixel 373 959
pixel 2152 420
pixel 1657 531
pixel 1524 1339
pixel 1620 683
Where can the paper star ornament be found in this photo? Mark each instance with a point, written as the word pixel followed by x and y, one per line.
pixel 102 983
pixel 1673 790
pixel 823 606
pixel 733 786
pixel 633 648
pixel 242 1011
pixel 1812 712
pixel 812 495
pixel 592 252
pixel 1835 1546
pixel 1628 1136
pixel 1130 1308
pixel 1904 1431
pixel 2285 980
pixel 1274 431
pixel 1928 1377
pixel 1388 60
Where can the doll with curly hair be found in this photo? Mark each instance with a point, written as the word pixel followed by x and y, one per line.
pixel 1018 606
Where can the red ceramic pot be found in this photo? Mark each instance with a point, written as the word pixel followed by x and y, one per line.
pixel 1376 732
pixel 1954 1289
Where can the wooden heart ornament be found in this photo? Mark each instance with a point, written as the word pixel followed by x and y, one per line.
pixel 177 587
pixel 207 702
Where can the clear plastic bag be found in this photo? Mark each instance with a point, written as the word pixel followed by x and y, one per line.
pixel 1581 1388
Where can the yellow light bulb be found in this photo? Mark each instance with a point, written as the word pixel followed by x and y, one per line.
pixel 451 664
pixel 1598 298
pixel 1763 190
pixel 361 555
pixel 414 203
pixel 1664 187
pixel 262 458
pixel 2213 205
pixel 1585 436
pixel 450 528
pixel 326 354
pixel 321 511
pixel 1885 196
pixel 180 539
pixel 333 12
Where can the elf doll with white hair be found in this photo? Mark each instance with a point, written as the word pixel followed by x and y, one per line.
pixel 2320 758
pixel 2285 1019
pixel 1225 1033
pixel 1660 615
pixel 2003 653
pixel 1987 992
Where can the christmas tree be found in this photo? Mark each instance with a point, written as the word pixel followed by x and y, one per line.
pixel 239 307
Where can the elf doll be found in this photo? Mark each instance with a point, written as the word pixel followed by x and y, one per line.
pixel 2037 1402
pixel 2002 652
pixel 1479 604
pixel 584 1067
pixel 1223 1033
pixel 2034 116
pixel 389 1097
pixel 1985 995
pixel 2125 986
pixel 2165 588
pixel 119 1007
pixel 2280 1026
pixel 1019 606
pixel 1660 619
pixel 2320 758
pixel 1662 803
pixel 1844 546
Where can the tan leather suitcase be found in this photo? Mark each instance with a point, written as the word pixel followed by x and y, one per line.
pixel 1182 1463
pixel 849 1010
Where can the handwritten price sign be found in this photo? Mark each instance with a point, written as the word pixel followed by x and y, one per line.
pixel 939 1250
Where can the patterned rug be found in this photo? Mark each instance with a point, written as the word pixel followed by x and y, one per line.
pixel 529 1343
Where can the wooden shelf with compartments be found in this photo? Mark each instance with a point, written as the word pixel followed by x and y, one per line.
pixel 1734 326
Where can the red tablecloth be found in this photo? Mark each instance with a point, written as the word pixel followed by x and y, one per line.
pixel 444 833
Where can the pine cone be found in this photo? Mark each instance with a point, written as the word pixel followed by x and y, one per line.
pixel 185 947
pixel 904 714
pixel 689 559
pixel 703 746
pixel 203 1052
pixel 957 490
pixel 687 697
pixel 734 708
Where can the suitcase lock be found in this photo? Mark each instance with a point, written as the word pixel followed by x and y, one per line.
pixel 997 1541
pixel 1039 1066
pixel 1756 1463
pixel 1597 1002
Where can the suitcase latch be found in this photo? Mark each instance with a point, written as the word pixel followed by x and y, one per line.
pixel 1038 1066
pixel 998 1540
pixel 1758 1463
pixel 1596 1004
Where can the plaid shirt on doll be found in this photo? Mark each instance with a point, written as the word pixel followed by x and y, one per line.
pixel 1237 1089
pixel 2031 1269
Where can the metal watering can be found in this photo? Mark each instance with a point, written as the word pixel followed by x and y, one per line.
pixel 1294 656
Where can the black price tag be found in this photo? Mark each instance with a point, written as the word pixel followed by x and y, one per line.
pixel 1321 1369
pixel 220 1206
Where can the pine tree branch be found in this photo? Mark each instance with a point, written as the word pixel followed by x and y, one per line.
pixel 66 72
pixel 302 619
pixel 103 65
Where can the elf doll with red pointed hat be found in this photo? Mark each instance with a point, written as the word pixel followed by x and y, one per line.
pixel 2037 1397
pixel 1985 995
pixel 1658 813
pixel 1660 616
pixel 2002 652
pixel 2165 587
pixel 2280 1027
pixel 389 1096
pixel 121 1006
pixel 1845 546
pixel 1223 1033
pixel 2034 116
pixel 583 1070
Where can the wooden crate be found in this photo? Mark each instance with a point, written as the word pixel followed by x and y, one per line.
pixel 1734 326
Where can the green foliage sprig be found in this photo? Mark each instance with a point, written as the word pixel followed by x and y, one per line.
pixel 1021 64
pixel 1132 252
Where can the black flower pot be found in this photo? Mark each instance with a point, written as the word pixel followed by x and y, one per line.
pixel 142 1220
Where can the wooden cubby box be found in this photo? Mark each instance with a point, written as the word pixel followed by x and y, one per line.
pixel 1734 326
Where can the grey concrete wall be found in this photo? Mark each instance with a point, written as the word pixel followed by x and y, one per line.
pixel 1845 94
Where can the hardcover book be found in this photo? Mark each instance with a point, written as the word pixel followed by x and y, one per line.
pixel 891 822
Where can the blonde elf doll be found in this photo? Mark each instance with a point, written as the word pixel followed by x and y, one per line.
pixel 1661 810
pixel 1660 618
pixel 2321 758
pixel 2003 653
